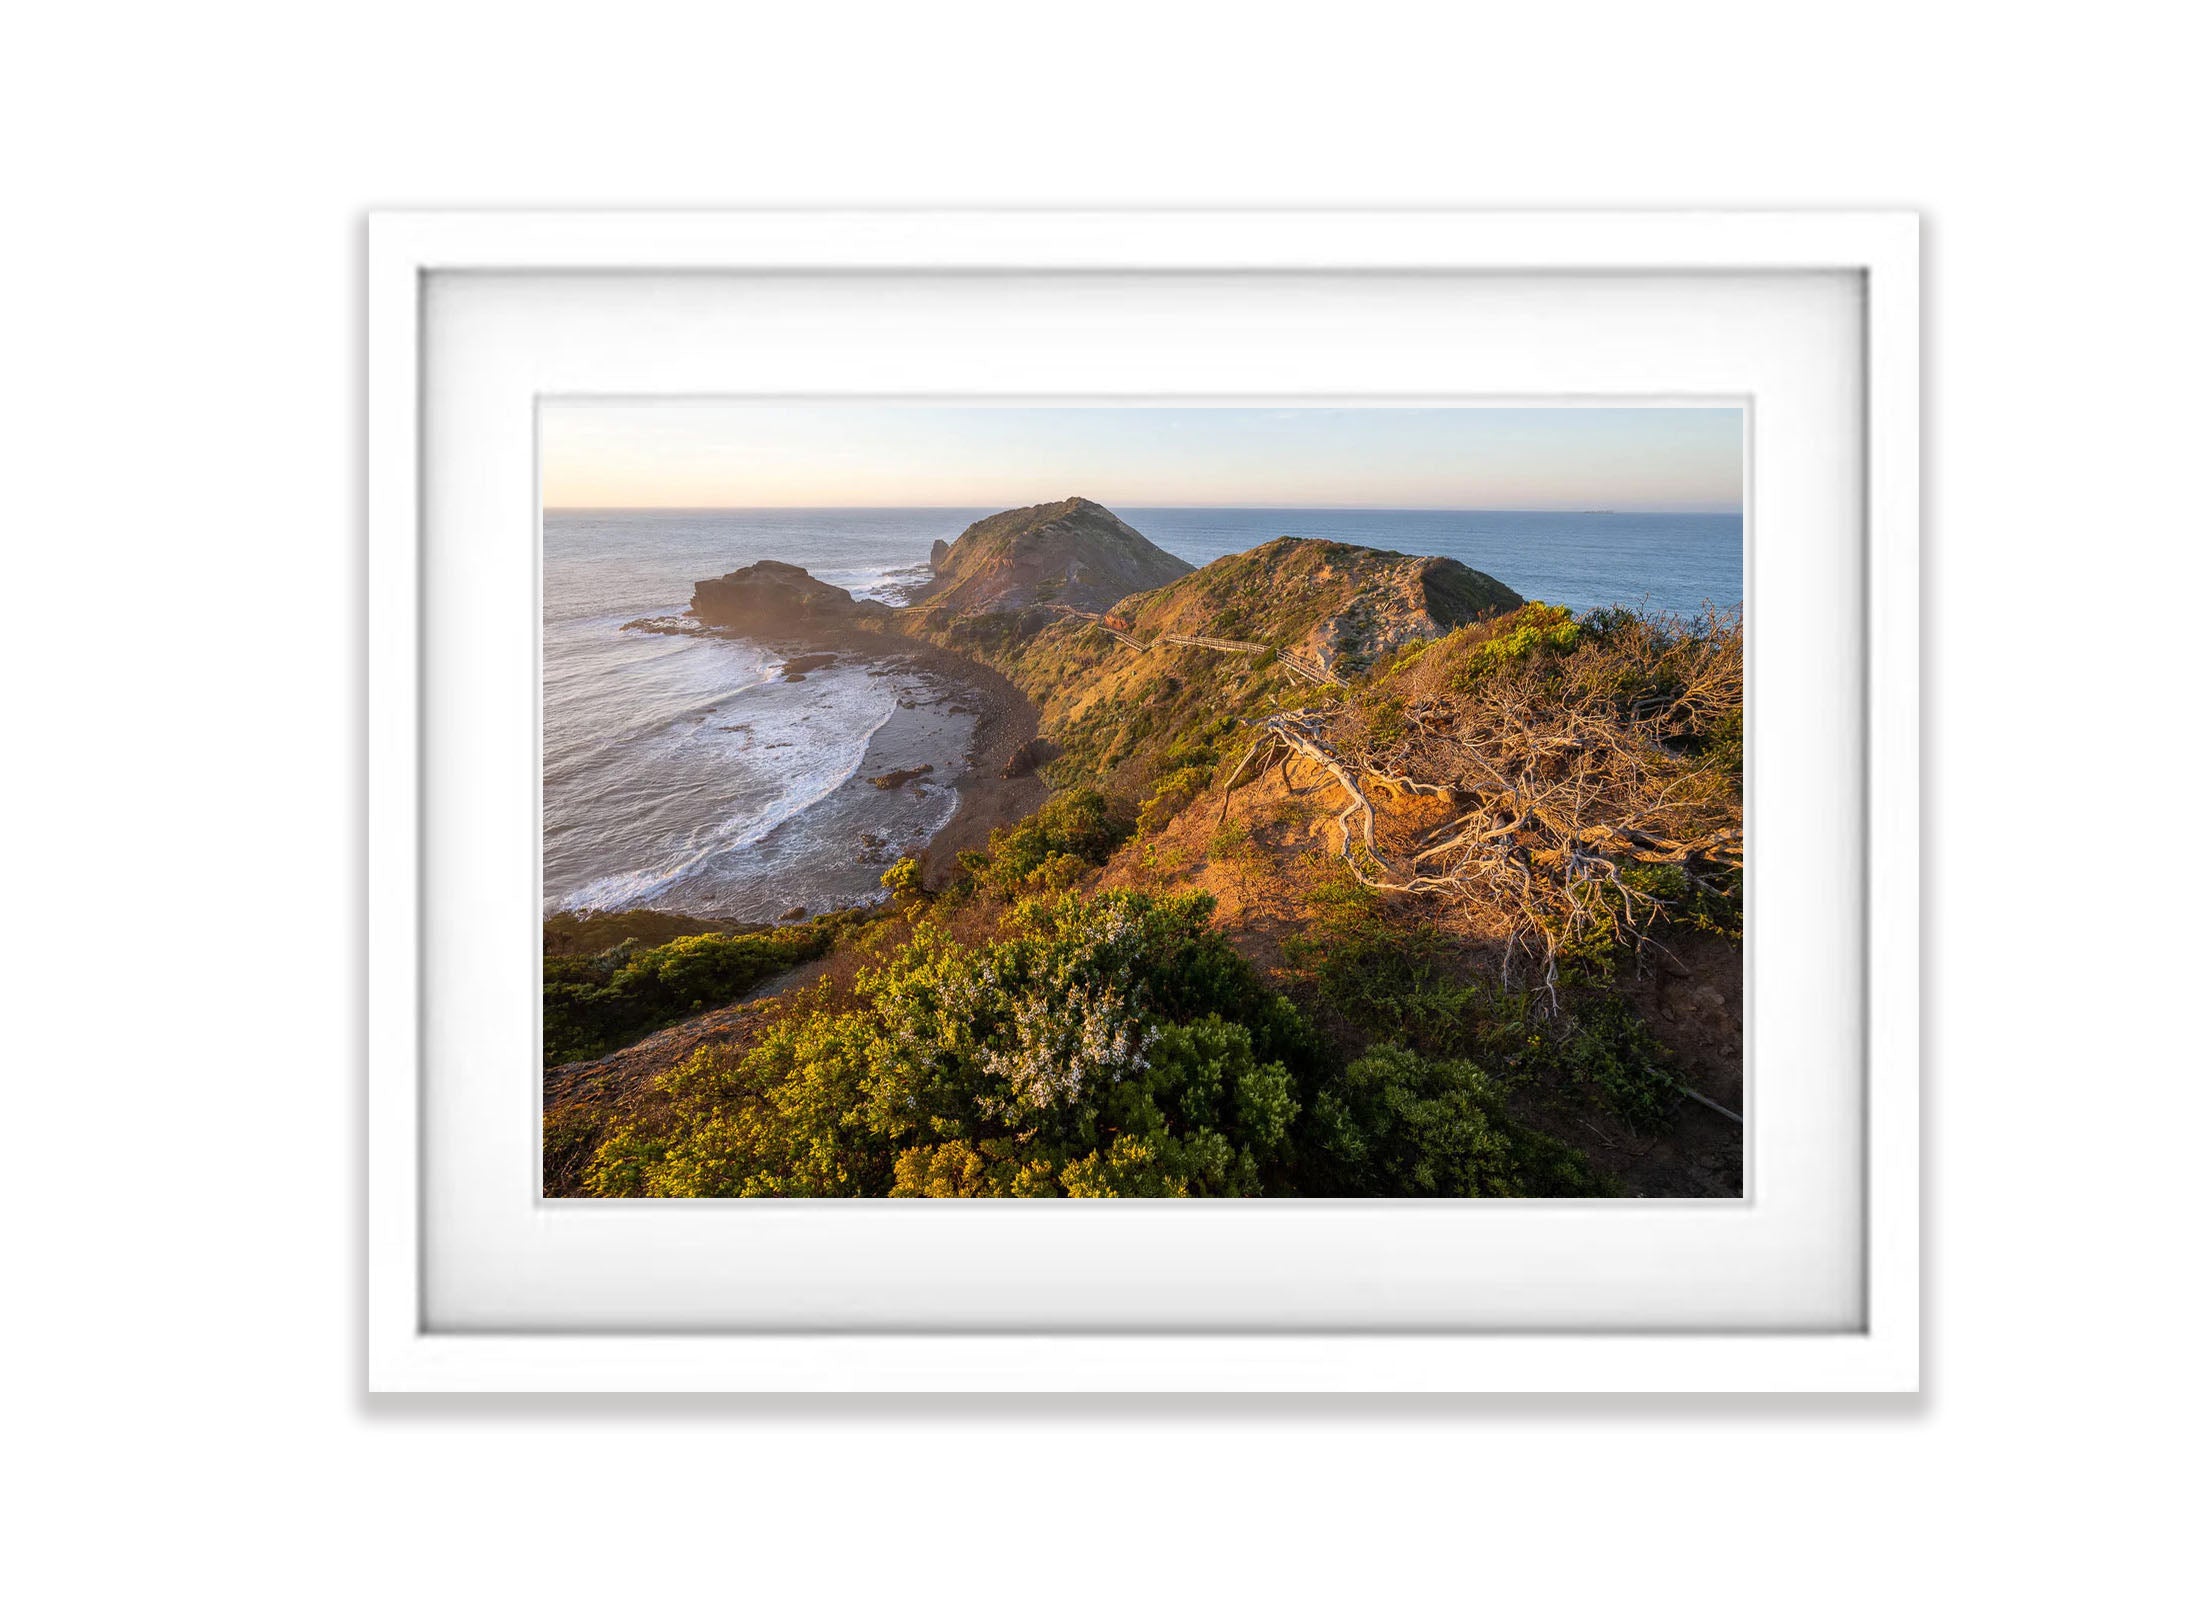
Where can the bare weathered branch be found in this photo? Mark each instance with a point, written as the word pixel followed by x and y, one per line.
pixel 1564 779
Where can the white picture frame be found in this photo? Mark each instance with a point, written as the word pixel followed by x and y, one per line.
pixel 406 1351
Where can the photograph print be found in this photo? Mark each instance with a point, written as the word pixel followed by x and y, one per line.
pixel 1175 801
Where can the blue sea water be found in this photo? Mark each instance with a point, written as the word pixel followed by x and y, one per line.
pixel 684 772
pixel 1661 561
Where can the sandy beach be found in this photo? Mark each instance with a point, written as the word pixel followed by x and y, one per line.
pixel 985 798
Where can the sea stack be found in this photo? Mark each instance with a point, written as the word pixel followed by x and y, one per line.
pixel 774 600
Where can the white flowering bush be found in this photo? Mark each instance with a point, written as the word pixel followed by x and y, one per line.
pixel 1075 1005
pixel 1105 1046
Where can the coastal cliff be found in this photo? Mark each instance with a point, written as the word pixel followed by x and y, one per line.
pixel 1072 552
pixel 1115 693
pixel 1432 890
pixel 1112 641
pixel 1341 605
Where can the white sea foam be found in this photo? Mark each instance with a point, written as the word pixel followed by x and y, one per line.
pixel 683 770
pixel 806 777
pixel 742 780
pixel 887 584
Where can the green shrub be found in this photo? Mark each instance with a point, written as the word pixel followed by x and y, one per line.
pixel 591 933
pixel 1723 746
pixel 904 880
pixel 1111 1046
pixel 1602 1050
pixel 1386 720
pixel 592 1005
pixel 1380 978
pixel 1405 655
pixel 1401 1124
pixel 1073 827
pixel 1710 902
pixel 1171 796
pixel 1537 630
pixel 1392 981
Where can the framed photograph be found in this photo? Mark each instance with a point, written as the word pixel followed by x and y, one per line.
pixel 1143 801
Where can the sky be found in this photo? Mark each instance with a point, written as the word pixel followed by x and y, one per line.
pixel 635 453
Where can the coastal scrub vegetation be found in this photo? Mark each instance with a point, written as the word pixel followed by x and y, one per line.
pixel 1105 1045
pixel 1587 772
pixel 595 1003
pixel 1050 849
pixel 1466 848
pixel 1373 972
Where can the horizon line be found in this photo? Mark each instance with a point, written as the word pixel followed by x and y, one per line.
pixel 1188 505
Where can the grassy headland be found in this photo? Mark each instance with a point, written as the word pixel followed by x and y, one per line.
pixel 1359 876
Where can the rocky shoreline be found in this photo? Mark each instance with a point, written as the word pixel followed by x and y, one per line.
pixel 995 786
pixel 986 797
pixel 1039 615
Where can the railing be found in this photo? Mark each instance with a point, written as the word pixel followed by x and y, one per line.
pixel 1311 671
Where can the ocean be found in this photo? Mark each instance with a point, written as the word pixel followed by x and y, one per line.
pixel 686 773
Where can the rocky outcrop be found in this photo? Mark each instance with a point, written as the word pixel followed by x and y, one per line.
pixel 1029 756
pixel 1338 606
pixel 1073 553
pixel 773 600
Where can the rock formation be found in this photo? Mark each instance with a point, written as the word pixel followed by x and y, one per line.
pixel 1335 605
pixel 773 600
pixel 1071 552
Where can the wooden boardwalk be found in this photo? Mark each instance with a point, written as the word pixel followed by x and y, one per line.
pixel 1311 671
pixel 1237 646
pixel 1121 637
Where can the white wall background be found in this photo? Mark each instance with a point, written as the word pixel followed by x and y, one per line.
pixel 180 414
